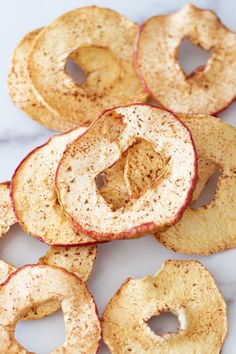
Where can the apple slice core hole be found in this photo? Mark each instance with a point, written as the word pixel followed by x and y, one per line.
pixel 93 68
pixel 75 71
pixel 41 336
pixel 208 193
pixel 192 58
pixel 19 249
pixel 167 322
pixel 140 167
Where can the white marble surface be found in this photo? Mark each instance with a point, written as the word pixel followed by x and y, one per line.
pixel 18 135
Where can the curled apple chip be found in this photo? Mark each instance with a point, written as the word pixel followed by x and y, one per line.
pixel 38 284
pixel 206 91
pixel 103 40
pixel 21 90
pixel 34 196
pixel 116 131
pixel 7 216
pixel 184 288
pixel 210 228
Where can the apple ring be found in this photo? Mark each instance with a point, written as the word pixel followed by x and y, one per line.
pixel 206 91
pixel 36 285
pixel 103 41
pixel 184 288
pixel 34 197
pixel 104 143
pixel 210 228
pixel 76 260
pixel 21 90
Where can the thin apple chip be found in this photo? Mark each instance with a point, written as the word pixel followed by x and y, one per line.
pixel 210 228
pixel 39 284
pixel 184 288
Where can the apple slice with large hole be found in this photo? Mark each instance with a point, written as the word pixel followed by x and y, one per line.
pixel 40 284
pixel 184 288
pixel 34 196
pixel 105 142
pixel 210 228
pixel 206 91
pixel 76 260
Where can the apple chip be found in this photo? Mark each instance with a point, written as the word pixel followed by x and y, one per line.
pixel 184 288
pixel 209 89
pixel 115 132
pixel 103 40
pixel 210 228
pixel 21 90
pixel 37 284
pixel 34 196
pixel 76 260
pixel 7 216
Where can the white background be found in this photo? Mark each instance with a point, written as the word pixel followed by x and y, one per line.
pixel 18 135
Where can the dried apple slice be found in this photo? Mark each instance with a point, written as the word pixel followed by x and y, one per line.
pixel 111 135
pixel 38 284
pixel 184 288
pixel 34 197
pixel 206 91
pixel 21 90
pixel 7 215
pixel 76 260
pixel 210 228
pixel 103 40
